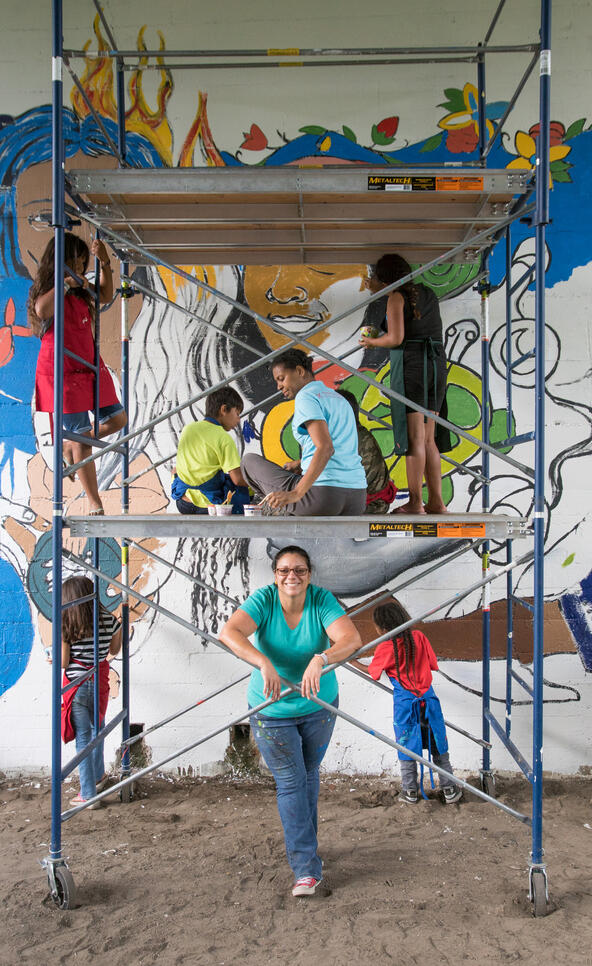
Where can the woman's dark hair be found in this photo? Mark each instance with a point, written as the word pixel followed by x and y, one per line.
pixel 389 616
pixel 77 621
pixel 226 396
pixel 74 248
pixel 292 549
pixel 390 268
pixel 291 359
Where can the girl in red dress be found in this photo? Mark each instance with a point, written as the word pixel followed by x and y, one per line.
pixel 79 381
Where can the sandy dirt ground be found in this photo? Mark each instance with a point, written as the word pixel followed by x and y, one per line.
pixel 193 872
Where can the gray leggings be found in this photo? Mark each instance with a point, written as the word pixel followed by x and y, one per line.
pixel 409 771
pixel 320 501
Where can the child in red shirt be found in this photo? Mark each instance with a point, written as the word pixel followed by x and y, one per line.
pixel 417 714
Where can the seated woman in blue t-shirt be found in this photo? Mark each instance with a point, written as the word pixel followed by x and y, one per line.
pixel 328 479
pixel 298 630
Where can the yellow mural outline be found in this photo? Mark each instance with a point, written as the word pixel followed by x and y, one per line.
pixel 174 283
pixel 271 434
pixel 459 376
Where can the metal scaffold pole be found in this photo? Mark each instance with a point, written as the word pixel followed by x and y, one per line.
pixel 537 873
pixel 60 879
pixel 487 782
pixel 125 382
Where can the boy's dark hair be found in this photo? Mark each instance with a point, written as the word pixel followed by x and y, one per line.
pixel 77 621
pixel 226 396
pixel 389 616
pixel 291 359
pixel 291 549
pixel 352 401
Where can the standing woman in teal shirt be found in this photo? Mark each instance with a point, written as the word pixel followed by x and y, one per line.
pixel 298 629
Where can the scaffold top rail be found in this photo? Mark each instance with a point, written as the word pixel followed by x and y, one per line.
pixel 451 526
pixel 290 215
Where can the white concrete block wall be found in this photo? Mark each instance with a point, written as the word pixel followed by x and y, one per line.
pixel 170 668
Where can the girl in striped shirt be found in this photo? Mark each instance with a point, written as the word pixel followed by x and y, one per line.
pixel 77 659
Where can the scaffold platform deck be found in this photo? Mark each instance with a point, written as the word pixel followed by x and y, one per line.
pixel 451 526
pixel 295 215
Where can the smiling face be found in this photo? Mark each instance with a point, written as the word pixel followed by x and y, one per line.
pixel 300 297
pixel 290 381
pixel 292 575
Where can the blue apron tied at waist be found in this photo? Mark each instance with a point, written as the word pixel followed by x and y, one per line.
pixel 216 489
pixel 407 720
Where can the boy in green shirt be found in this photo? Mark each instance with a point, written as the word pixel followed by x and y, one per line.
pixel 208 464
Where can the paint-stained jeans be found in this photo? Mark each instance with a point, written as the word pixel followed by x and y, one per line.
pixel 92 768
pixel 293 749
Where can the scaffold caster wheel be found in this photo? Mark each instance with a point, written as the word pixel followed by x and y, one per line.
pixel 488 784
pixel 65 895
pixel 538 897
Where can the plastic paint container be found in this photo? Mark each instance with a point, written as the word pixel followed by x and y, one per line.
pixel 212 510
pixel 253 510
pixel 223 509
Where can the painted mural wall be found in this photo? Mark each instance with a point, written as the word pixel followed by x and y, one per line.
pixel 315 117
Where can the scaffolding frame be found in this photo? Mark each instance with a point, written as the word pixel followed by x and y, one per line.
pixel 59 876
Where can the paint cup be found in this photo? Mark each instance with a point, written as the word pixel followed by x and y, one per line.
pixel 212 510
pixel 223 509
pixel 253 510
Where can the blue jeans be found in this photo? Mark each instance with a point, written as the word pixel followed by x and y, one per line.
pixel 293 749
pixel 80 422
pixel 92 768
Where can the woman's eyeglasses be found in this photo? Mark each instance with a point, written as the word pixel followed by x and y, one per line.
pixel 284 571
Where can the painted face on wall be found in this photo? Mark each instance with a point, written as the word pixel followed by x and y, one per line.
pixel 301 297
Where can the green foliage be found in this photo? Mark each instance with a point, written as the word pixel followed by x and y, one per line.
pixel 560 170
pixel 455 102
pixel 349 134
pixel 432 143
pixel 569 560
pixel 379 138
pixel 312 129
pixel 574 129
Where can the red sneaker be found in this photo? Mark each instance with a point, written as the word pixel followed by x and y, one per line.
pixel 305 886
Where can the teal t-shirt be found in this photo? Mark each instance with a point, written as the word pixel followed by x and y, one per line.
pixel 290 650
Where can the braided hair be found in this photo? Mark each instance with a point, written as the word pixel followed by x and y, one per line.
pixel 390 268
pixel 389 616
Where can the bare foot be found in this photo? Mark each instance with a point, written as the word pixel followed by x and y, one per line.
pixel 96 510
pixel 439 508
pixel 409 508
